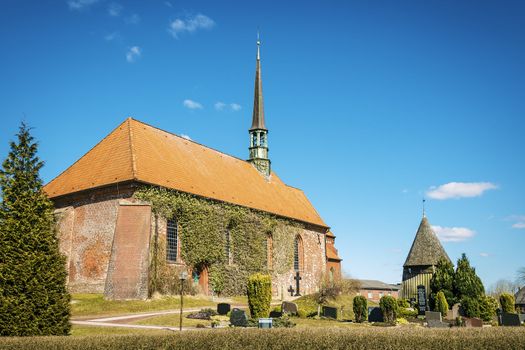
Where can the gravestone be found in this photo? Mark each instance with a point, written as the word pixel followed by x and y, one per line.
pixel 522 317
pixel 456 311
pixel 375 314
pixel 421 300
pixel 291 290
pixel 289 308
pixel 510 319
pixel 238 318
pixel 297 278
pixel 330 312
pixel 276 314
pixel 473 322
pixel 433 316
pixel 223 308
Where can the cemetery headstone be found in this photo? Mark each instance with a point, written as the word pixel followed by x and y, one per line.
pixel 330 312
pixel 454 313
pixel 522 317
pixel 375 314
pixel 238 318
pixel 276 314
pixel 421 300
pixel 223 308
pixel 510 319
pixel 433 316
pixel 297 278
pixel 289 307
pixel 473 322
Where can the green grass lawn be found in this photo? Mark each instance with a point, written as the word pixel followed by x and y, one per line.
pixel 83 305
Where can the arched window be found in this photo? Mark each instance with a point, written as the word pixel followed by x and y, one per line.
pixel 227 247
pixel 269 250
pixel 332 274
pixel 172 240
pixel 298 254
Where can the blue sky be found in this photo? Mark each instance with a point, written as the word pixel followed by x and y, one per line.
pixel 371 105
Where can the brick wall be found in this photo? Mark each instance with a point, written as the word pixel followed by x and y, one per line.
pixel 376 294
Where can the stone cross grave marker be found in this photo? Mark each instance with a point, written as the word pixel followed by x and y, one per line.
pixel 297 278
pixel 291 290
pixel 421 300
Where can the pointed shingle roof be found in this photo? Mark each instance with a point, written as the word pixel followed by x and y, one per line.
pixel 426 249
pixel 135 151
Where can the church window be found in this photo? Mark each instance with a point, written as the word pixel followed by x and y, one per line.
pixel 172 238
pixel 332 271
pixel 269 251
pixel 298 254
pixel 227 248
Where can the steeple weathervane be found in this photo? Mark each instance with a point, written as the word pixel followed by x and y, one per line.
pixel 258 132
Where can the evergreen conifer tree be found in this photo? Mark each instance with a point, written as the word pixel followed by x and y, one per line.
pixel 33 295
pixel 442 280
pixel 466 282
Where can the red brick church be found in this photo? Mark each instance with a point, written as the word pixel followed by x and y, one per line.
pixel 109 236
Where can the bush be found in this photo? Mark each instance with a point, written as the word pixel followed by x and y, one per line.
pixel 301 313
pixel 441 304
pixel 259 291
pixel 388 305
pixel 506 301
pixel 406 312
pixel 488 308
pixel 471 307
pixel 284 322
pixel 360 308
pixel 403 303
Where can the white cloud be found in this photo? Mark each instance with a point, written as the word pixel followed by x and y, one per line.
pixel 190 24
pixel 133 54
pixel 192 104
pixel 220 106
pixel 460 190
pixel 184 136
pixel 115 9
pixel 80 4
pixel 453 234
pixel 484 255
pixel 133 19
pixel 112 36
pixel 519 221
pixel 235 107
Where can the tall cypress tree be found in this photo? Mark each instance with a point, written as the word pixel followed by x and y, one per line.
pixel 33 295
pixel 442 281
pixel 466 281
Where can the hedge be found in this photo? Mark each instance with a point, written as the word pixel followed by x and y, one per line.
pixel 408 338
pixel 259 292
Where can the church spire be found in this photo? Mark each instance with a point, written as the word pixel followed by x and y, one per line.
pixel 258 104
pixel 258 132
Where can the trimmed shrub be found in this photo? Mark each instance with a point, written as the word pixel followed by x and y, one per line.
pixel 360 308
pixel 403 303
pixel 471 306
pixel 488 308
pixel 259 291
pixel 507 301
pixel 406 312
pixel 441 303
pixel 388 305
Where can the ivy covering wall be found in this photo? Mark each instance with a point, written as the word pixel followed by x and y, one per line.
pixel 203 224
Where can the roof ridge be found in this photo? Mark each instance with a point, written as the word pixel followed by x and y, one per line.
pixel 190 140
pixel 132 149
pixel 86 153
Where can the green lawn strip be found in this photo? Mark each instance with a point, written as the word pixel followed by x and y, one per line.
pixel 171 320
pixel 80 330
pixel 84 305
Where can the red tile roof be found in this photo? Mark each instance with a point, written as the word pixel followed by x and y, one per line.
pixel 140 152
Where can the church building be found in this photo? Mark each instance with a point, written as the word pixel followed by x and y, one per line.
pixel 421 262
pixel 144 204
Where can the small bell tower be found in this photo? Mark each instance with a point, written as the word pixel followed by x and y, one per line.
pixel 258 132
